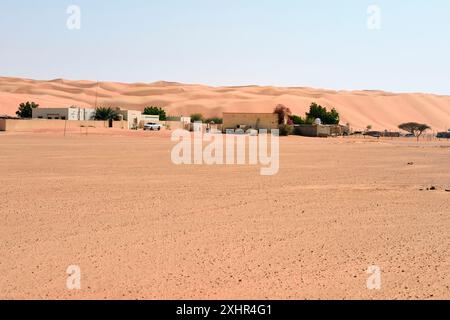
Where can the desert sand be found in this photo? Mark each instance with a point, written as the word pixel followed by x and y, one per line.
pixel 140 227
pixel 382 110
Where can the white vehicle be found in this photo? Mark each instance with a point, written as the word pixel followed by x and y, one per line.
pixel 152 126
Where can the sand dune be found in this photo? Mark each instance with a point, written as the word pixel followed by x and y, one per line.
pixel 382 110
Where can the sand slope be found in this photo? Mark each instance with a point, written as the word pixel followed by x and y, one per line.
pixel 380 109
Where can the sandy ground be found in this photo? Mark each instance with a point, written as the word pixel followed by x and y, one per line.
pixel 382 110
pixel 140 227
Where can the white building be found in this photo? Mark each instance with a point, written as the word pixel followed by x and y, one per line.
pixel 136 119
pixel 71 113
pixel 128 119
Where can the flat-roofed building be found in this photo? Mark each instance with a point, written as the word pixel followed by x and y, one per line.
pixel 127 119
pixel 70 113
pixel 132 117
pixel 245 121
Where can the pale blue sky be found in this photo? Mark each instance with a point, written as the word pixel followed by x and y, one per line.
pixel 323 44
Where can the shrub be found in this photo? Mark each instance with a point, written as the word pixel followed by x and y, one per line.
pixel 297 119
pixel 285 129
pixel 216 120
pixel 197 117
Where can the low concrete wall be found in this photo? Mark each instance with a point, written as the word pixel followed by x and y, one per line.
pixel 336 130
pixel 13 125
pixel 25 125
pixel 120 124
pixel 312 130
pixel 323 131
pixel 174 125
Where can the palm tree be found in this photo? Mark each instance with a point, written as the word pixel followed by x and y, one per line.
pixel 105 114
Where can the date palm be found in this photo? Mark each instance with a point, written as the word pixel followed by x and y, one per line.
pixel 104 114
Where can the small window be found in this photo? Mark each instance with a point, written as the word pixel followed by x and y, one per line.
pixel 40 117
pixel 63 118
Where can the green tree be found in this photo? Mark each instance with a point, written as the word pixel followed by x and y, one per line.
pixel 414 128
pixel 333 117
pixel 216 120
pixel 25 110
pixel 309 120
pixel 327 117
pixel 297 119
pixel 155 111
pixel 105 114
pixel 197 117
pixel 285 129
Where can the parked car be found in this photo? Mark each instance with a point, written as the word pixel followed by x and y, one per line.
pixel 152 126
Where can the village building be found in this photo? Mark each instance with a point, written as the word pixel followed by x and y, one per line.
pixel 70 113
pixel 247 121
